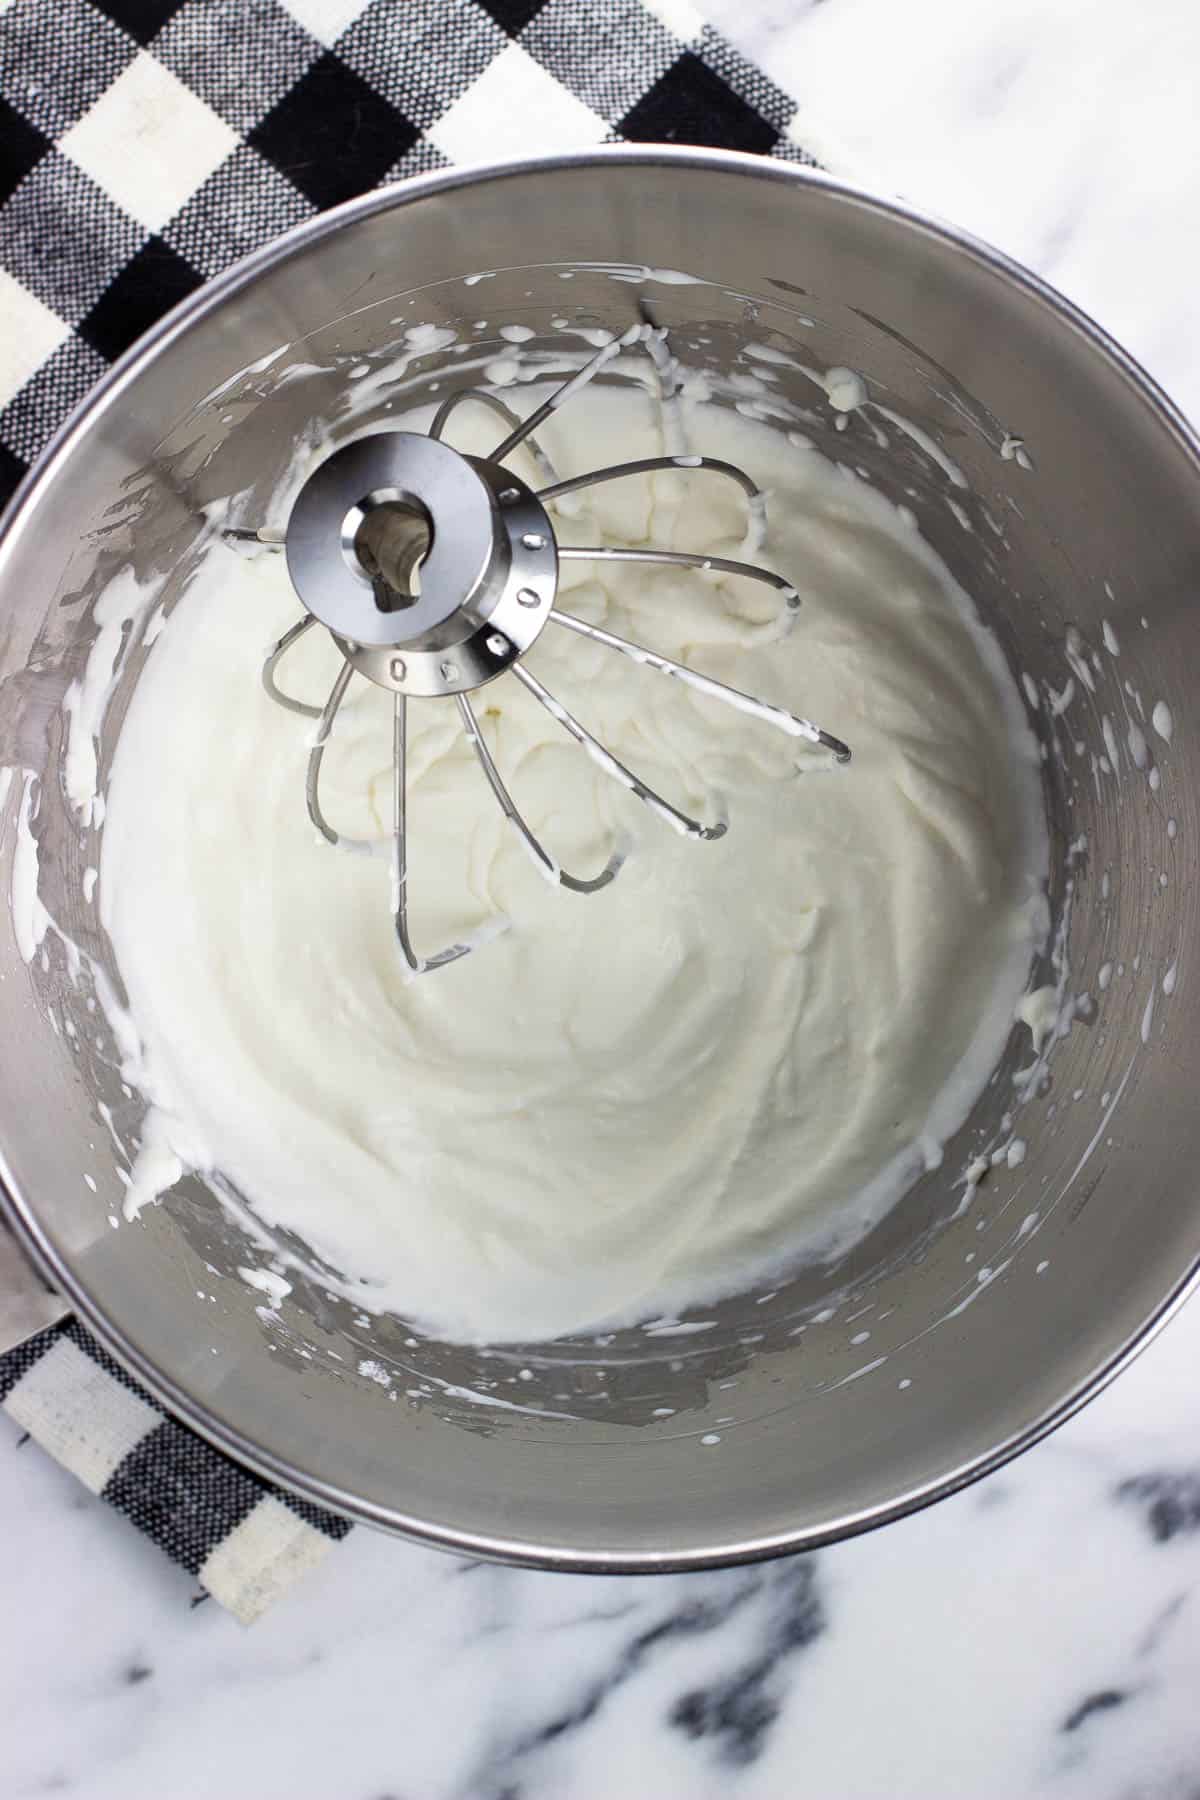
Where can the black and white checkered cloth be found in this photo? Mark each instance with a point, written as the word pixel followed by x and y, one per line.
pixel 244 1541
pixel 145 145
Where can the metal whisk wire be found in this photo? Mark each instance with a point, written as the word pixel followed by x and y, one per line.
pixel 415 666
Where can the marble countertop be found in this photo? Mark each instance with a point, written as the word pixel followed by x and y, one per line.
pixel 1038 1633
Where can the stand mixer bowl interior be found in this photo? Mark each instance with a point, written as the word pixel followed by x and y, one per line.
pixel 1063 492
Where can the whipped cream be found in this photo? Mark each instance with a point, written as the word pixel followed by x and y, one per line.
pixel 740 1053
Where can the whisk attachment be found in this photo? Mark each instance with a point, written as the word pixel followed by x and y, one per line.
pixel 418 965
pixel 435 572
pixel 275 656
pixel 762 710
pixel 648 465
pixel 479 397
pixel 546 864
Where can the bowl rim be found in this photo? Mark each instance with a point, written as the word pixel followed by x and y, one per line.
pixel 20 1211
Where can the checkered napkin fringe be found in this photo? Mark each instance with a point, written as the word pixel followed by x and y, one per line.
pixel 144 146
pixel 245 1542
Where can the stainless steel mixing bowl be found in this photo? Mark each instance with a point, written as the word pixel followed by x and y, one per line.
pixel 787 1424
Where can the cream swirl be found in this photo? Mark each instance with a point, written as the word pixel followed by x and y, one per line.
pixel 738 1051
